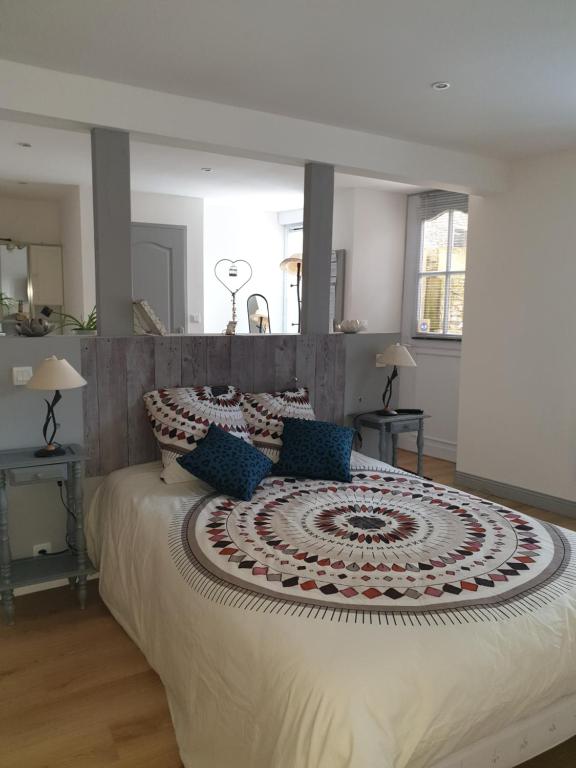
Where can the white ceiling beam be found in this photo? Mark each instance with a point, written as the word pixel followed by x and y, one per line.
pixel 40 95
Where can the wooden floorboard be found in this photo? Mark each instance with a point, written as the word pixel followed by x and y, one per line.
pixel 75 692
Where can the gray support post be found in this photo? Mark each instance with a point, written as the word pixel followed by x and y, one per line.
pixel 318 213
pixel 112 225
pixel 77 499
pixel 5 556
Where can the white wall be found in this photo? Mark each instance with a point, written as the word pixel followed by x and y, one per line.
pixel 371 226
pixel 34 221
pixel 434 384
pixel 150 208
pixel 343 219
pixel 434 387
pixel 236 232
pixel 72 261
pixel 517 420
pixel 87 243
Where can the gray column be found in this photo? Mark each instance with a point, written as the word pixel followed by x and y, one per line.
pixel 112 223
pixel 5 555
pixel 318 212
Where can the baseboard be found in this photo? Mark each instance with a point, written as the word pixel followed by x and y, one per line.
pixel 523 495
pixel 433 446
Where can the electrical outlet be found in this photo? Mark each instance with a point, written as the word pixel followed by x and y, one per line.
pixel 21 375
pixel 42 549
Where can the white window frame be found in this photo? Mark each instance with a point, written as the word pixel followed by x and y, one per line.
pixel 446 274
pixel 412 273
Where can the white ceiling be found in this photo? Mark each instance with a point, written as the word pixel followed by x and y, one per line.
pixel 62 157
pixel 363 64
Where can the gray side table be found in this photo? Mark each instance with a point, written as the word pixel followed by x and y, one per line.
pixel 22 467
pixel 390 426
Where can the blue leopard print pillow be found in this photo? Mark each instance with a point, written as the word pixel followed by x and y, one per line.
pixel 315 449
pixel 230 465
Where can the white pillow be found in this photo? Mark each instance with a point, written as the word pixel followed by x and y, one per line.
pixel 181 416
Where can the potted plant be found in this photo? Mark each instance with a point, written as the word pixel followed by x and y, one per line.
pixel 80 327
pixel 5 304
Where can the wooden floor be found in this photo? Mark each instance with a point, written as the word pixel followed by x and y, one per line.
pixel 75 692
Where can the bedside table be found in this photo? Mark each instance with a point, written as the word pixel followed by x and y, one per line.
pixel 390 426
pixel 21 467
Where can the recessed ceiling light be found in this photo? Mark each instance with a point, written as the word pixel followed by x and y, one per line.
pixel 24 144
pixel 440 85
pixel 207 170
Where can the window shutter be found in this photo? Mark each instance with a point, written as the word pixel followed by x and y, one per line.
pixel 437 201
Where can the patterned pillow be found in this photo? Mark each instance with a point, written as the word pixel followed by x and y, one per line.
pixel 229 465
pixel 315 449
pixel 180 417
pixel 264 413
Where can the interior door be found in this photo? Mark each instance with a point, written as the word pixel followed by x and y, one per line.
pixel 159 271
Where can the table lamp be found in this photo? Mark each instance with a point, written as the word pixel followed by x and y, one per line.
pixel 395 355
pixel 54 374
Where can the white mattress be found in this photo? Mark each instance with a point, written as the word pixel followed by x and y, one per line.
pixel 269 690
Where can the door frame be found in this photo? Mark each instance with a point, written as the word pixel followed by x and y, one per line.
pixel 184 230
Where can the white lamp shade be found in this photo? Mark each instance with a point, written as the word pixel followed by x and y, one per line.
pixel 54 374
pixel 395 354
pixel 291 263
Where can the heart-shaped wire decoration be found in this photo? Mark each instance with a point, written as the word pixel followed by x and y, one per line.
pixel 233 287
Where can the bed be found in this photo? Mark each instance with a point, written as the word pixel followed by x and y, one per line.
pixel 387 623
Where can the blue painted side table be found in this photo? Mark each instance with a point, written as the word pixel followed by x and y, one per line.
pixel 21 467
pixel 390 426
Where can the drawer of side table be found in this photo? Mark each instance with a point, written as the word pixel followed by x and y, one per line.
pixel 27 475
pixel 404 426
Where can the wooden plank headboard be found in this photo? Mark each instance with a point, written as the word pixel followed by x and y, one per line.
pixel 120 370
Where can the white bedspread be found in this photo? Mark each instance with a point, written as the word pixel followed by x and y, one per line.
pixel 264 689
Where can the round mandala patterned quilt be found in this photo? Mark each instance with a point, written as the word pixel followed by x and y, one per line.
pixel 385 547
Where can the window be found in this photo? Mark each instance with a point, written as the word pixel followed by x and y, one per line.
pixel 443 223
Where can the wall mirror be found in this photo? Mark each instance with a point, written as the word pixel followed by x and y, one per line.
pixel 30 279
pixel 258 314
pixel 14 272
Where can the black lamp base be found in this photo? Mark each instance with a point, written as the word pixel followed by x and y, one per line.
pixel 50 450
pixel 387 396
